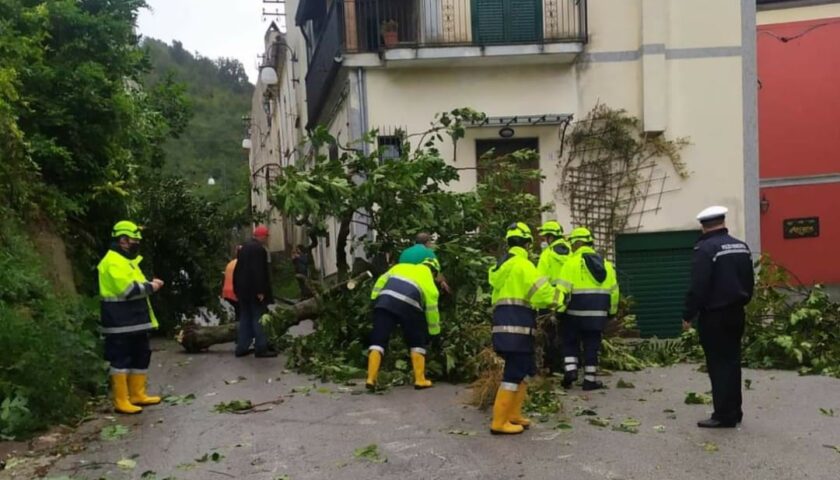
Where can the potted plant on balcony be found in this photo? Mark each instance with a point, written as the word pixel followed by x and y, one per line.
pixel 389 33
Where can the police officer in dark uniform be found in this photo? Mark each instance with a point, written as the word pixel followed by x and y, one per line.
pixel 721 285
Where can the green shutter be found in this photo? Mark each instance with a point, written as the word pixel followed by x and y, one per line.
pixel 524 21
pixel 488 19
pixel 654 269
pixel 506 21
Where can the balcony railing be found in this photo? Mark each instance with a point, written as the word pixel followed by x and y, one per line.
pixel 373 25
pixel 361 26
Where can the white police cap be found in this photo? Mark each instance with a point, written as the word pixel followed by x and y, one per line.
pixel 712 213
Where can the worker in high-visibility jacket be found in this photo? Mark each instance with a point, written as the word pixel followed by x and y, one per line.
pixel 556 250
pixel 127 318
pixel 592 283
pixel 518 291
pixel 405 295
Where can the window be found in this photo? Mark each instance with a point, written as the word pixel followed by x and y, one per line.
pixel 390 147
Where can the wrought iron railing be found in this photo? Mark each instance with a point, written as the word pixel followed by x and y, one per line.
pixel 373 25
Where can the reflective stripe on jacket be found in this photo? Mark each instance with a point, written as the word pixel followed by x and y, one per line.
pixel 125 306
pixel 593 287
pixel 408 289
pixel 518 290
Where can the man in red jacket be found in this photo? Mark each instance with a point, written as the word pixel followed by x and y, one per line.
pixel 252 286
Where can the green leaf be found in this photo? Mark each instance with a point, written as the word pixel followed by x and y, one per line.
pixel 233 406
pixel 629 425
pixel 836 448
pixel 370 453
pixel 466 433
pixel 127 464
pixel 693 398
pixel 710 447
pixel 585 411
pixel 236 380
pixel 828 412
pixel 659 428
pixel 563 426
pixel 599 422
pixel 748 384
pixel 179 399
pixel 113 432
pixel 622 384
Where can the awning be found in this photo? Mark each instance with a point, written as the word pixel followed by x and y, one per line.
pixel 525 120
pixel 309 9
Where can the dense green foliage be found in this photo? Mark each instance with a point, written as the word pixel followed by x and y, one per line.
pixel 51 361
pixel 86 133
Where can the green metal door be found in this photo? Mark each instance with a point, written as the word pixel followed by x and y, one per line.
pixel 506 21
pixel 654 269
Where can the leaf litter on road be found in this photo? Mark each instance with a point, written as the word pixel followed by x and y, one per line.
pixel 629 425
pixel 180 399
pixel 465 433
pixel 370 453
pixel 624 384
pixel 828 412
pixel 710 446
pixel 694 398
pixel 127 464
pixel 113 432
pixel 599 421
pixel 233 406
pixel 214 456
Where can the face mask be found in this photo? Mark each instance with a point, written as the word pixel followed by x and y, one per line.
pixel 544 245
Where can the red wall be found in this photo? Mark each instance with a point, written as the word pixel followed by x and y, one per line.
pixel 799 135
pixel 812 260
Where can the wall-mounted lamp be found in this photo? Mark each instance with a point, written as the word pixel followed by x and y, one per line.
pixel 246 143
pixel 764 204
pixel 506 132
pixel 268 75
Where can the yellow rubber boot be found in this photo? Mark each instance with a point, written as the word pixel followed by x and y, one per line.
pixel 137 390
pixel 374 361
pixel 502 409
pixel 119 392
pixel 418 361
pixel 516 417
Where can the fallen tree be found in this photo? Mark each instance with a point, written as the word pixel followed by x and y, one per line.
pixel 197 338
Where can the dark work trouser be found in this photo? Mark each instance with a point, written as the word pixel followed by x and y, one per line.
pixel 128 352
pixel 720 335
pixel 413 326
pixel 249 327
pixel 518 367
pixel 552 347
pixel 573 334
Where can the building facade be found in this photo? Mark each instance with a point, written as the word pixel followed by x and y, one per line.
pixel 799 119
pixel 684 68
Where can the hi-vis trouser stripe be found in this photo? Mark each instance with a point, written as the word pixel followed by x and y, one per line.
pixel 511 387
pixel 127 329
pixel 513 329
pixel 571 364
pixel 377 348
pixel 421 351
pixel 589 373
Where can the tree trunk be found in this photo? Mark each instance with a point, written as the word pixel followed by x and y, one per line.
pixel 195 338
pixel 341 245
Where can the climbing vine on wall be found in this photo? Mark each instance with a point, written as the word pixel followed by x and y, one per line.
pixel 611 173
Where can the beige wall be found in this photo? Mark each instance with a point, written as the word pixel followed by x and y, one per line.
pixel 798 14
pixel 676 64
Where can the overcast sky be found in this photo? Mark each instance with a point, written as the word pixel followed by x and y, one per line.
pixel 213 28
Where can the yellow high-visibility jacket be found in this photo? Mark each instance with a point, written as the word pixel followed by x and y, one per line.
pixel 518 291
pixel 592 283
pixel 553 258
pixel 409 289
pixel 125 306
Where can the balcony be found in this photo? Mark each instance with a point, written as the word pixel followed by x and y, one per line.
pixel 373 33
pixel 379 25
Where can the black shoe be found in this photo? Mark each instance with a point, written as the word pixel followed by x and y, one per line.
pixel 715 423
pixel 245 353
pixel 266 354
pixel 569 379
pixel 596 385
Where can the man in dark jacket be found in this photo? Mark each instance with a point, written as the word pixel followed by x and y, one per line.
pixel 252 285
pixel 722 283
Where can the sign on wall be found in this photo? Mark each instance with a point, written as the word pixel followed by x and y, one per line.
pixel 801 227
